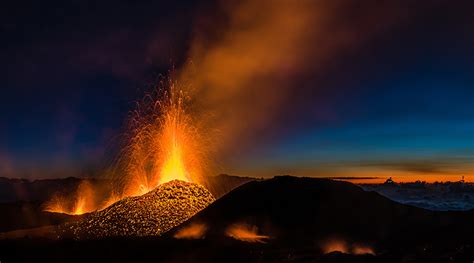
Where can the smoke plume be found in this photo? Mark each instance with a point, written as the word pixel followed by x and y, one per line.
pixel 246 56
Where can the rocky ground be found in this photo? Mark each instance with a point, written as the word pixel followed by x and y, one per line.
pixel 151 214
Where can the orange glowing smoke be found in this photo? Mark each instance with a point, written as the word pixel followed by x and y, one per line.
pixel 81 202
pixel 246 233
pixel 362 250
pixel 339 245
pixel 192 231
pixel 335 245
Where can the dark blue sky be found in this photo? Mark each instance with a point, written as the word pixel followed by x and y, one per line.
pixel 401 101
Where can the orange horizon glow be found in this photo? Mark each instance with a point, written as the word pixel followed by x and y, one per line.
pixel 359 175
pixel 378 177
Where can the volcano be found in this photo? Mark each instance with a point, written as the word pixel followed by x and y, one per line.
pixel 284 219
pixel 301 210
pixel 306 214
pixel 151 214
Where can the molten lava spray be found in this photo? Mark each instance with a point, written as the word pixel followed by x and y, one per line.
pixel 81 202
pixel 172 141
pixel 165 144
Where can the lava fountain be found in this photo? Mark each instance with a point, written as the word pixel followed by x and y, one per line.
pixel 81 202
pixel 163 144
pixel 172 141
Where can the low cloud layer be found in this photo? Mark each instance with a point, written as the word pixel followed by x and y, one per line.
pixel 441 197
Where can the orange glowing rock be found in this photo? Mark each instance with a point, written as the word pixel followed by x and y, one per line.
pixel 152 214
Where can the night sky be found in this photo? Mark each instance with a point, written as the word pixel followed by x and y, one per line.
pixel 392 95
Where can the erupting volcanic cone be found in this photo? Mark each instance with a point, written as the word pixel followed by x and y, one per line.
pixel 151 214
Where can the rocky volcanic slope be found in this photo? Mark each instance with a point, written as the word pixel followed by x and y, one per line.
pixel 151 214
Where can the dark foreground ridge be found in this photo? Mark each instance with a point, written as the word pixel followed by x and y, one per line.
pixel 285 219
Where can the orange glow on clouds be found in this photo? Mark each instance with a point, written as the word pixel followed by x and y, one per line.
pixel 380 176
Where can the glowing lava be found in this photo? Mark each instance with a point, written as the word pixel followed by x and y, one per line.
pixel 163 143
pixel 81 202
pixel 173 168
pixel 173 139
pixel 151 214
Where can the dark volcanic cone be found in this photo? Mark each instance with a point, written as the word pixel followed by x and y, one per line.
pixel 151 214
pixel 298 212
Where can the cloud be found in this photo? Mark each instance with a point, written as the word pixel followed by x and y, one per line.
pixel 442 197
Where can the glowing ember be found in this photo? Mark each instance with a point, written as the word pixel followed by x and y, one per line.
pixel 173 139
pixel 192 231
pixel 246 233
